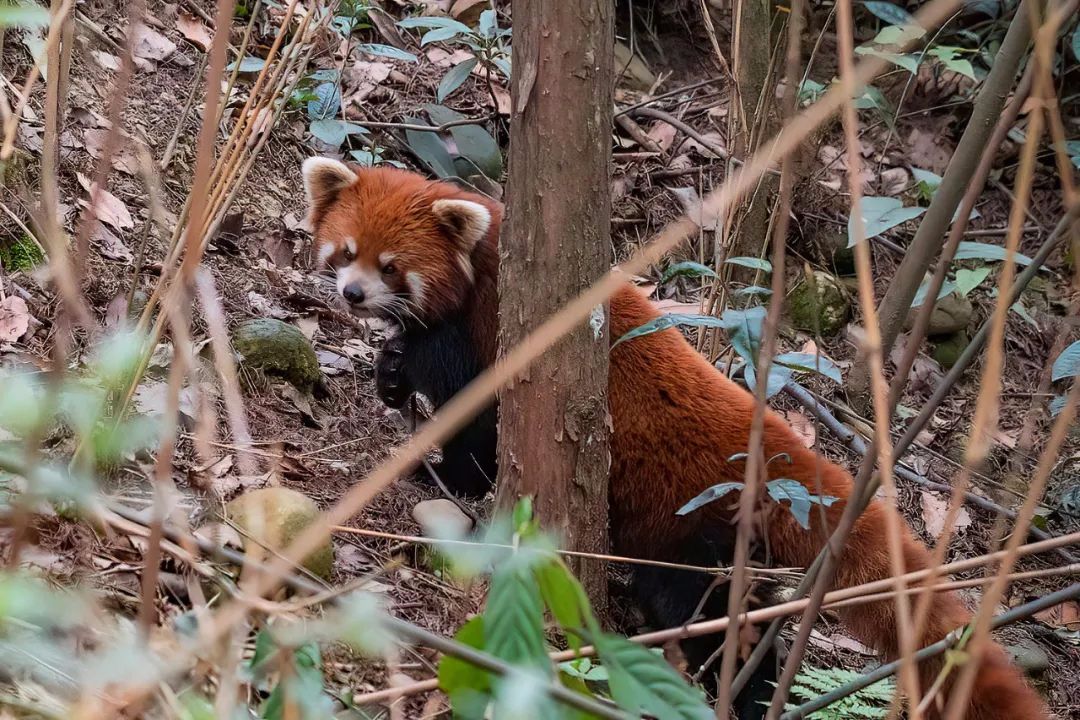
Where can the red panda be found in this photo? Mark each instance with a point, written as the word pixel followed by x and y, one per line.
pixel 425 255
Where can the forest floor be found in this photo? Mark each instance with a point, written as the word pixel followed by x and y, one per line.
pixel 262 263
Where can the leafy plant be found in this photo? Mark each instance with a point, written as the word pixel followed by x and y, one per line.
pixel 463 151
pixel 781 490
pixel 1065 367
pixel 488 43
pixel 869 702
pixel 527 583
pixel 300 682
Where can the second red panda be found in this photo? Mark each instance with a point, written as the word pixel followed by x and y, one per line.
pixel 425 255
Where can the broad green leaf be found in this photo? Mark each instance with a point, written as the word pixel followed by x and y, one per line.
pixel 668 321
pixel 473 142
pixel 1020 309
pixel 249 64
pixel 430 148
pixel 1076 42
pixel 892 14
pixel 873 99
pixel 794 492
pixel 566 599
pixel 359 620
pixel 810 91
pixel 909 62
pixel 949 57
pixel 488 23
pixel 503 64
pixel 924 287
pixel 1067 364
pixel 522 515
pixel 385 51
pixel 688 268
pixel 968 280
pixel 985 251
pixel 303 687
pixel 744 330
pixel 753 291
pixel 514 616
pixel 810 362
pixel 880 214
pixel 453 79
pixel 642 681
pixel 427 22
pixel 931 180
pixel 327 102
pixel 778 377
pixel 194 706
pixel 329 130
pixel 439 35
pixel 708 495
pixel 750 262
pixel 467 686
pixel 23 15
pixel 1057 405
pixel 898 35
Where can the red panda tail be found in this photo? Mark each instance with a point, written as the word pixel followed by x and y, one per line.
pixel 1000 692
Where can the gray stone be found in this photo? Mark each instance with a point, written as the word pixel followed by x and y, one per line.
pixel 819 302
pixel 951 314
pixel 441 518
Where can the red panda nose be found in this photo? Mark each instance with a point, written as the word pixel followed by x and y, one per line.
pixel 353 293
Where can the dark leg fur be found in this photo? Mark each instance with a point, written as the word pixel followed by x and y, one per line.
pixel 391 382
pixel 468 466
pixel 669 598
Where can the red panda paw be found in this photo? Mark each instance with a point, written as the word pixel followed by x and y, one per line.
pixel 391 384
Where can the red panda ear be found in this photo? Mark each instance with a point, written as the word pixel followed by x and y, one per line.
pixel 466 220
pixel 324 178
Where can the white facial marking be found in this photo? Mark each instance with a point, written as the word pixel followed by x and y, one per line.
pixel 351 244
pixel 386 258
pixel 325 251
pixel 370 281
pixel 416 287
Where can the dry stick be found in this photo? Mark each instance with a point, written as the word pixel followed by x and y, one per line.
pixel 479 392
pixel 1020 612
pixel 756 466
pixel 823 563
pixel 196 83
pixel 882 412
pixel 921 251
pixel 855 442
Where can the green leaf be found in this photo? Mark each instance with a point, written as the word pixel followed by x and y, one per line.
pixel 514 616
pixel 488 23
pixel 909 62
pixel 473 142
pixel 249 64
pixel 23 15
pixel 753 291
pixel 668 321
pixel 967 280
pixel 453 79
pixel 1057 404
pixel 330 131
pixel 778 378
pixel 880 214
pixel 359 620
pixel 924 287
pixel 872 99
pixel 750 262
pixel 385 51
pixel 522 515
pixel 811 362
pixel 948 56
pixel 688 268
pixel 439 35
pixel 985 251
pixel 430 148
pixel 432 21
pixel 566 599
pixel 327 102
pixel 584 669
pixel 708 495
pixel 931 180
pixel 744 330
pixel 642 681
pixel 467 686
pixel 503 64
pixel 1067 364
pixel 892 14
pixel 800 498
pixel 304 687
pixel 1076 42
pixel 898 35
pixel 1020 309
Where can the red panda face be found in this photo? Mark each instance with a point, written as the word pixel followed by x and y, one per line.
pixel 400 245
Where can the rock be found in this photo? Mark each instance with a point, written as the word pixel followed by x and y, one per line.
pixel 280 349
pixel 285 513
pixel 834 252
pixel 441 518
pixel 1029 656
pixel 819 302
pixel 951 314
pixel 947 349
pixel 631 70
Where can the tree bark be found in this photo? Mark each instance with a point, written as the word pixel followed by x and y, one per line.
pixel 553 420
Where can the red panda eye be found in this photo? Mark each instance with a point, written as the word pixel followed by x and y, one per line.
pixel 348 254
pixel 389 269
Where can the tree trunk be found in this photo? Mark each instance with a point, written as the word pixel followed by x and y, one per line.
pixel 553 420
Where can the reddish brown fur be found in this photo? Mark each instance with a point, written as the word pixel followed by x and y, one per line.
pixel 676 421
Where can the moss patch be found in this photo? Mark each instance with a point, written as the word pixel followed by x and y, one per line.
pixel 280 349
pixel 20 254
pixel 819 302
pixel 275 516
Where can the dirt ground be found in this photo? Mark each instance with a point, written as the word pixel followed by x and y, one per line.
pixel 262 265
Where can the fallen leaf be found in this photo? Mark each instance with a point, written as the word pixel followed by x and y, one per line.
pixel 264 307
pixel 280 250
pixel 109 208
pixel 333 364
pixel 803 426
pixel 691 204
pixel 676 307
pixel 468 11
pixel 351 560
pixel 151 399
pixel 14 318
pixel 502 99
pixel 924 150
pixel 894 181
pixel 116 312
pixel 359 350
pixel 193 29
pixel 152 45
pixel 111 246
pixel 934 509
pixel 837 640
pixel 123 157
pixel 1066 615
pixel 662 134
pixel 443 58
pixel 106 60
pixel 308 325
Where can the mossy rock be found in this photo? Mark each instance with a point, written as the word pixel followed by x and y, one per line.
pixel 20 254
pixel 279 349
pixel 275 516
pixel 16 171
pixel 819 303
pixel 947 350
pixel 951 314
pixel 832 246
